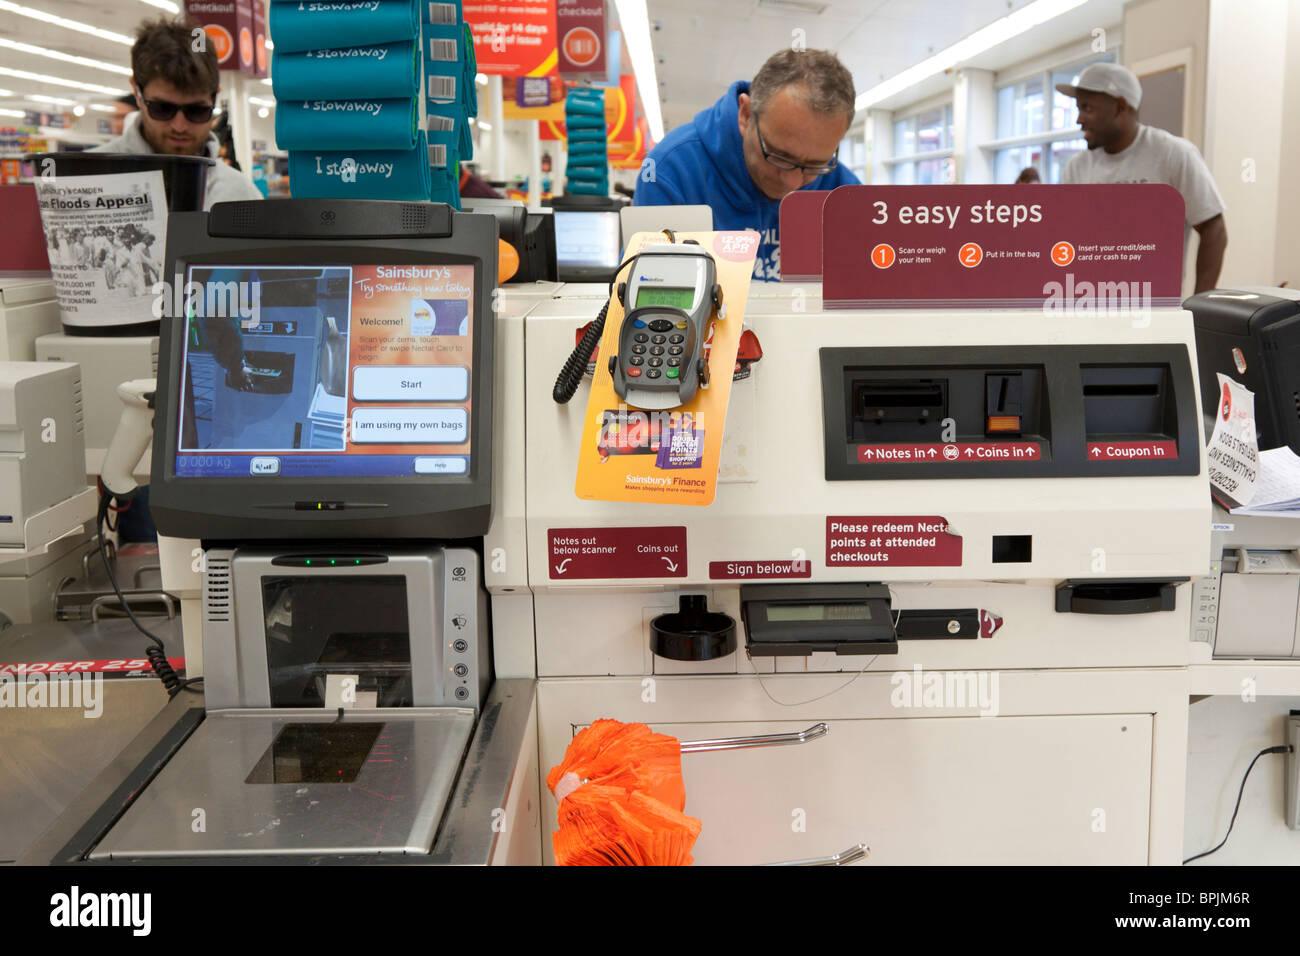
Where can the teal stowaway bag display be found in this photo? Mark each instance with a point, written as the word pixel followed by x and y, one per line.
pixel 298 26
pixel 584 121
pixel 346 124
pixel 587 135
pixel 361 174
pixel 385 71
pixel 440 11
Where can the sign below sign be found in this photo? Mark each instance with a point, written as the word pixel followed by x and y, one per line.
pixel 952 451
pixel 586 553
pixel 898 540
pixel 1131 450
pixel 744 570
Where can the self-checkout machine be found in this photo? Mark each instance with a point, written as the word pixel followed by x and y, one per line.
pixel 958 529
pixel 1245 628
pixel 343 627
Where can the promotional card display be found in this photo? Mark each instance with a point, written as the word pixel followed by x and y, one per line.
pixel 654 425
pixel 1072 249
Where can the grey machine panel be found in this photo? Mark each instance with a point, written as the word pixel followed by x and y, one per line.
pixel 259 778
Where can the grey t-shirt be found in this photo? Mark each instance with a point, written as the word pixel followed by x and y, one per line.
pixel 224 183
pixel 1154 156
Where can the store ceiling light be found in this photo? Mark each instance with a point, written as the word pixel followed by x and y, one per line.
pixel 635 20
pixel 56 100
pixel 47 17
pixel 103 108
pixel 65 57
pixel 986 38
pixel 263 112
pixel 486 126
pixel 261 101
pixel 60 81
pixel 18 113
pixel 481 79
pixel 163 5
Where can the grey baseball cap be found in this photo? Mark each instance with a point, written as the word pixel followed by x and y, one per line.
pixel 1109 78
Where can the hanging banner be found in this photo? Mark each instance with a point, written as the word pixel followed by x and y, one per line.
pixel 229 26
pixel 580 28
pixel 514 37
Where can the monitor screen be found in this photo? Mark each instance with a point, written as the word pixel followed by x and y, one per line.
pixel 326 371
pixel 587 239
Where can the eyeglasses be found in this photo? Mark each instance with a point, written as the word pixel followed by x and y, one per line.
pixel 783 162
pixel 164 112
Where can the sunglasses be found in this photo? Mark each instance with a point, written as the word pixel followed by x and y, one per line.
pixel 164 112
pixel 783 162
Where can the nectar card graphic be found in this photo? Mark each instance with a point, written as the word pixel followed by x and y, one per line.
pixel 667 456
pixel 439 316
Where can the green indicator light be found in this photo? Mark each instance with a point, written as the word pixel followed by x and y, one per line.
pixel 309 560
pixel 332 561
pixel 358 561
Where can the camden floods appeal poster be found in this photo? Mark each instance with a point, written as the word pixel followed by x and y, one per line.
pixel 105 237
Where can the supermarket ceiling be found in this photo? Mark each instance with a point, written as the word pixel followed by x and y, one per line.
pixel 703 45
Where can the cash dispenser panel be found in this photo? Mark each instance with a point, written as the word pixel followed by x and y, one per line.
pixel 1021 412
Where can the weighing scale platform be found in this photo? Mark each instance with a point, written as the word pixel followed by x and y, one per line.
pixel 277 782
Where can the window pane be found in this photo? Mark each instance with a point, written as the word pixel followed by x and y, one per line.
pixel 934 172
pixel 930 131
pixel 904 174
pixel 1020 109
pixel 1009 163
pixel 1061 154
pixel 905 137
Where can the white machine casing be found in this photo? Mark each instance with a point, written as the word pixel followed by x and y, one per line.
pixel 1082 757
pixel 41 443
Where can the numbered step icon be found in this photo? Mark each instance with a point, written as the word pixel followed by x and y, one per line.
pixel 1063 253
pixel 883 256
pixel 970 255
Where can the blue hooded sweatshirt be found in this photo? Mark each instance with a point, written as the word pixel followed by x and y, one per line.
pixel 703 163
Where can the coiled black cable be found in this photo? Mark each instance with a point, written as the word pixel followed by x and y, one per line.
pixel 156 654
pixel 575 366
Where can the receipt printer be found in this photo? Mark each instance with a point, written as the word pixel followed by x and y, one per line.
pixel 1253 337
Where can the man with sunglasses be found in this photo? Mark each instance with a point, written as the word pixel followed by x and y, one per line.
pixel 760 142
pixel 176 87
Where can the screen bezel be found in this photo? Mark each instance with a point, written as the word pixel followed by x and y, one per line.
pixel 261 507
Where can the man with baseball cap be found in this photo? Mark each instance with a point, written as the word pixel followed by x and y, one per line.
pixel 1122 150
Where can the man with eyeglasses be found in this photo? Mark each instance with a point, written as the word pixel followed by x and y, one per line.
pixel 176 87
pixel 759 143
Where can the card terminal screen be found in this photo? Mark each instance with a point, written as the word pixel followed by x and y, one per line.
pixel 658 295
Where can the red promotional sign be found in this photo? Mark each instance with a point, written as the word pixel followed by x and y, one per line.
pixel 123 666
pixel 746 570
pixel 801 235
pixel 855 541
pixel 580 27
pixel 586 553
pixel 230 26
pixel 513 37
pixel 1131 450
pixel 1069 250
pixel 259 38
pixel 952 451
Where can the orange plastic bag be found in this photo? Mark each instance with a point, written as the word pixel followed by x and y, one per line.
pixel 621 799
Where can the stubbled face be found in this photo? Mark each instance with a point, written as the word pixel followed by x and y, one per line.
pixel 177 136
pixel 1099 118
pixel 792 131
